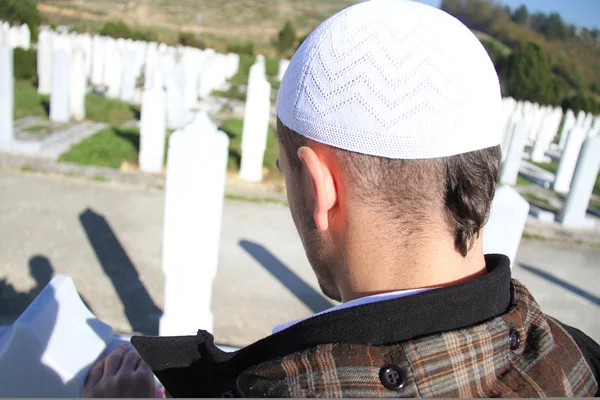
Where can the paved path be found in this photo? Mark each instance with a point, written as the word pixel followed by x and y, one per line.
pixel 107 237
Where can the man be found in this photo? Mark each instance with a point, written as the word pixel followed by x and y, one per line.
pixel 388 140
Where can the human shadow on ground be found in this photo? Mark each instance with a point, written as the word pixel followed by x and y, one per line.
pixel 46 105
pixel 28 369
pixel 564 284
pixel 141 311
pixel 13 302
pixel 304 292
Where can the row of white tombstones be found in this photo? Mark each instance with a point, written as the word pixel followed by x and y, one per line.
pixel 35 347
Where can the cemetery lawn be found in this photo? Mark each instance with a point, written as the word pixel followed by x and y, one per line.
pixel 553 167
pixel 28 102
pixel 100 109
pixel 107 148
pixel 233 128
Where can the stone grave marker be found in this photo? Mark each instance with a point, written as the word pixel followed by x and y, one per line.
pixel 128 77
pixel 44 61
pixel 510 168
pixel 6 98
pixel 195 187
pixel 569 124
pixel 504 229
pixel 568 160
pixel 97 73
pixel 24 37
pixel 576 205
pixel 153 130
pixel 78 84
pixel 256 124
pixel 59 97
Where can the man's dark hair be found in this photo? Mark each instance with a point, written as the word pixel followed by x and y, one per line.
pixel 411 191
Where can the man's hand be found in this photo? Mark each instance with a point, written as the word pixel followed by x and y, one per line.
pixel 122 374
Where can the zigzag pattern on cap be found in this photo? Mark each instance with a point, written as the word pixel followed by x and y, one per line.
pixel 363 83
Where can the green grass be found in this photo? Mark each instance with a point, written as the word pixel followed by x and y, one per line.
pixel 271 66
pixel 100 109
pixel 28 102
pixel 26 168
pixel 34 128
pixel 522 181
pixel 553 167
pixel 107 148
pixel 233 128
pixel 534 197
pixel 234 92
pixel 550 167
pixel 595 204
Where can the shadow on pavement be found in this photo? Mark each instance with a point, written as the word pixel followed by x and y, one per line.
pixel 304 292
pixel 566 285
pixel 141 311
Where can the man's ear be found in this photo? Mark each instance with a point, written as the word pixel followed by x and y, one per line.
pixel 323 187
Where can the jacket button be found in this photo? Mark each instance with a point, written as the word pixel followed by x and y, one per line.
pixel 392 377
pixel 515 339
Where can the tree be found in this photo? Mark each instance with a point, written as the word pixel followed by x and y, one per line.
pixel 582 102
pixel 526 75
pixel 495 51
pixel 520 15
pixel 21 12
pixel 285 39
pixel 116 29
pixel 555 29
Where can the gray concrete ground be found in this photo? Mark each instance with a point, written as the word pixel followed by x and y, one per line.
pixel 107 237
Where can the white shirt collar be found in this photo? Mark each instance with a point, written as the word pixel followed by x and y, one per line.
pixel 357 302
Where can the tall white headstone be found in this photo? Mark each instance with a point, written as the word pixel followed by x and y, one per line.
pixel 14 37
pixel 504 229
pixel 568 161
pixel 78 84
pixel 153 125
pixel 113 72
pixel 233 64
pixel 44 61
pixel 97 75
pixel 176 112
pixel 6 98
pixel 128 75
pixel 195 187
pixel 283 66
pixel 256 124
pixel 588 166
pixel 510 167
pixel 24 37
pixel 569 124
pixel 59 98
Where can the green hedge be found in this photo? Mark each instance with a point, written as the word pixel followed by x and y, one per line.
pixel 25 64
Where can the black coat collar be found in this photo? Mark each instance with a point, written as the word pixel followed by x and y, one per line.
pixel 192 366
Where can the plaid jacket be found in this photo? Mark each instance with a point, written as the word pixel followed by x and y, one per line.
pixel 482 338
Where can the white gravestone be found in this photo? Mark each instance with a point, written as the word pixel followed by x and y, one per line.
pixel 504 229
pixel 6 98
pixel 195 187
pixel 24 37
pixel 78 84
pixel 568 161
pixel 59 98
pixel 548 131
pixel 113 72
pixel 51 347
pixel 588 166
pixel 233 64
pixel 128 75
pixel 176 113
pixel 256 124
pixel 44 61
pixel 110 46
pixel 569 124
pixel 14 37
pixel 97 75
pixel 153 124
pixel 510 167
pixel 4 34
pixel 283 66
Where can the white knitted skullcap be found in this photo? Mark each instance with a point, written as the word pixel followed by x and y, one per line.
pixel 395 79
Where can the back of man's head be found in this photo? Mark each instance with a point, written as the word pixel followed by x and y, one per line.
pixel 408 101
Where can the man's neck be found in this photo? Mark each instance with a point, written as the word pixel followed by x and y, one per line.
pixel 374 264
